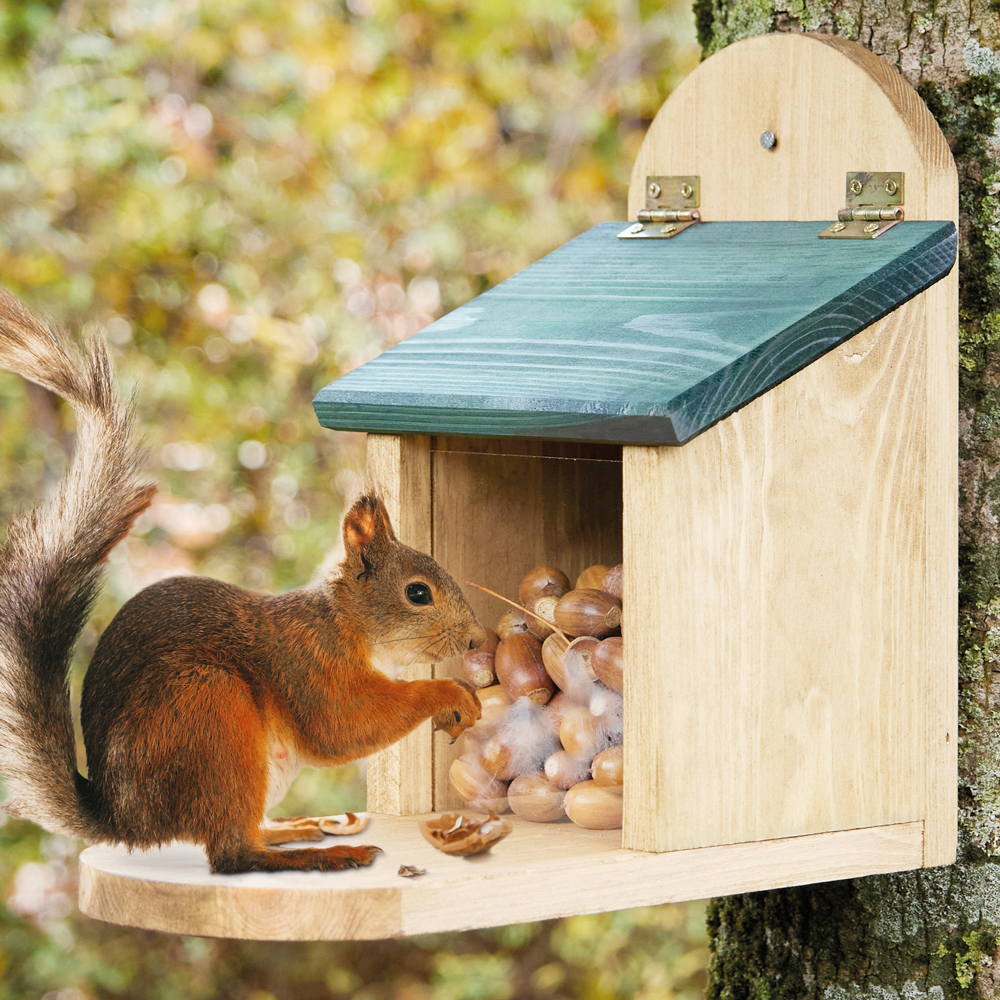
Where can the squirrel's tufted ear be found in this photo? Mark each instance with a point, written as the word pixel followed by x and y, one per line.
pixel 367 531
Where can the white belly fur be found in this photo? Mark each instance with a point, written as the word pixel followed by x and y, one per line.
pixel 283 767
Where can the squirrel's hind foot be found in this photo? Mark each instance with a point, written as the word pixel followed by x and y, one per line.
pixel 323 859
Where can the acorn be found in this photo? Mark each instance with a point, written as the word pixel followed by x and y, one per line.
pixel 592 578
pixel 538 579
pixel 614 581
pixel 543 605
pixel 478 664
pixel 578 733
pixel 607 768
pixel 579 656
pixel 494 703
pixel 608 707
pixel 476 786
pixel 564 770
pixel 594 806
pixel 512 623
pixel 588 612
pixel 496 759
pixel 535 798
pixel 607 662
pixel 520 669
pixel 557 708
pixel 553 651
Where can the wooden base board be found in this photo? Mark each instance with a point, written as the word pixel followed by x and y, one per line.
pixel 540 871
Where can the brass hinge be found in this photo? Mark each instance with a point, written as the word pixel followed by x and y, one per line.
pixel 671 206
pixel 874 203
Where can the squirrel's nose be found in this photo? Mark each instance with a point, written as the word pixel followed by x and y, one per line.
pixel 477 636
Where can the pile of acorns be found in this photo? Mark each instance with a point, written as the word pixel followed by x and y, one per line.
pixel 549 742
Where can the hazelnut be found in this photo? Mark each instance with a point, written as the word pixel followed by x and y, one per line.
pixel 476 787
pixel 594 806
pixel 588 612
pixel 564 770
pixel 535 798
pixel 592 578
pixel 607 768
pixel 539 578
pixel 608 662
pixel 520 669
pixel 478 664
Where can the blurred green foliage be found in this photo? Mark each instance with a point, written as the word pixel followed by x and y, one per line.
pixel 253 198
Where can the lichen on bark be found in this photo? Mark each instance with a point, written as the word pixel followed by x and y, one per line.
pixel 931 933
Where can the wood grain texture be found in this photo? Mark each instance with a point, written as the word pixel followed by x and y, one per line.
pixel 541 871
pixel 400 777
pixel 502 507
pixel 639 341
pixel 801 671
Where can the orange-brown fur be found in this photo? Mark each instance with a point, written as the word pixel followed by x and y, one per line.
pixel 201 699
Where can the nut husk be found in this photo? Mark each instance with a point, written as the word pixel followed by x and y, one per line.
pixel 595 806
pixel 592 578
pixel 607 768
pixel 535 798
pixel 478 664
pixel 608 662
pixel 564 770
pixel 476 786
pixel 614 581
pixel 521 671
pixel 538 579
pixel 588 612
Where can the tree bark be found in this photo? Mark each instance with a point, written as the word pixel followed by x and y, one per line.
pixel 933 933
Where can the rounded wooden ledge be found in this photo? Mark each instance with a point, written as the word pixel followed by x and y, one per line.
pixel 538 872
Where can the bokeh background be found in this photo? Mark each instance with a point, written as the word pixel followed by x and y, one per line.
pixel 252 198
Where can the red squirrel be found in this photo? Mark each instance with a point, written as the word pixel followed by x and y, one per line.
pixel 202 700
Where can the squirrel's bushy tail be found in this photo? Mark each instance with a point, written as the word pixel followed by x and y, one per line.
pixel 51 569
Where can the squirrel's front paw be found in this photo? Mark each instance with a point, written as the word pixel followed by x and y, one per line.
pixel 460 708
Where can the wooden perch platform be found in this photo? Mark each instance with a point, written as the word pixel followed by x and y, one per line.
pixel 540 871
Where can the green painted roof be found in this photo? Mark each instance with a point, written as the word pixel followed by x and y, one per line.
pixel 639 341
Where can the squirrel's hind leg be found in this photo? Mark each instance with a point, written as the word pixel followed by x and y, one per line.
pixel 287 829
pixel 260 859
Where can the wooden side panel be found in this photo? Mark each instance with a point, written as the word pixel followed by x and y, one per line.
pixel 783 672
pixel 504 506
pixel 789 646
pixel 400 777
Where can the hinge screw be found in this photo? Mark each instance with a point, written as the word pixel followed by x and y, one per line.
pixel 856 187
pixel 686 190
pixel 872 227
pixel 837 227
pixel 768 139
pixel 638 227
pixel 654 190
pixel 891 187
pixel 669 228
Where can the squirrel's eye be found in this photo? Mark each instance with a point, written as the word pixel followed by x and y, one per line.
pixel 419 593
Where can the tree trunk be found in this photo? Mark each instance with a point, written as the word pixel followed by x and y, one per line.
pixel 933 933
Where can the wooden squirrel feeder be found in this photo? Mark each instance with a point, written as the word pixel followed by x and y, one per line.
pixel 762 425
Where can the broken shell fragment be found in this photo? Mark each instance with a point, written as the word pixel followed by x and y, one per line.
pixel 588 612
pixel 455 833
pixel 594 806
pixel 409 871
pixel 344 824
pixel 536 798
